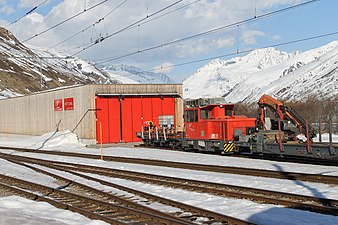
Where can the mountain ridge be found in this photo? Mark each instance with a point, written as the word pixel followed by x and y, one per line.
pixel 26 69
pixel 269 71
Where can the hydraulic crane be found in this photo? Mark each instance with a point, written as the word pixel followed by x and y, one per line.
pixel 282 112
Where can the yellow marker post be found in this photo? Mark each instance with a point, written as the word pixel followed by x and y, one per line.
pixel 101 141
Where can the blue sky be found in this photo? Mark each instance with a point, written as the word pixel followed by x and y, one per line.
pixel 314 19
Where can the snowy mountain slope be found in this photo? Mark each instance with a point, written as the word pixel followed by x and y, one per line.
pixel 132 75
pixel 220 76
pixel 318 78
pixel 269 71
pixel 24 71
pixel 28 69
pixel 311 73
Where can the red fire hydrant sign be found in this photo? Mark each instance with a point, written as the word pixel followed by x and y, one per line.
pixel 68 103
pixel 58 105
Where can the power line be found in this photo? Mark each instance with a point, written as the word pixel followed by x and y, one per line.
pixel 27 13
pixel 174 10
pixel 250 50
pixel 129 26
pixel 66 20
pixel 210 31
pixel 97 22
pixel 204 59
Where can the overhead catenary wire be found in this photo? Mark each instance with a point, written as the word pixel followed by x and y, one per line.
pixel 142 23
pixel 90 26
pixel 27 13
pixel 248 50
pixel 255 18
pixel 174 10
pixel 239 52
pixel 127 27
pixel 64 21
pixel 208 58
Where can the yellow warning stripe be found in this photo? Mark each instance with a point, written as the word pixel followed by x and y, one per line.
pixel 229 146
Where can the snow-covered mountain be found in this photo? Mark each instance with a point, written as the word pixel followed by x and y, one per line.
pixel 24 70
pixel 28 69
pixel 268 71
pixel 133 75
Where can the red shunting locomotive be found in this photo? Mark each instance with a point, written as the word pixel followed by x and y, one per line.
pixel 209 125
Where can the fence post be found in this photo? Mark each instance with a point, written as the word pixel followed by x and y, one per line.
pixel 280 137
pixel 320 131
pixel 101 152
pixel 308 147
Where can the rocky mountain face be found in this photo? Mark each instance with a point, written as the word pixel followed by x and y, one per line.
pixel 269 71
pixel 28 69
pixel 24 71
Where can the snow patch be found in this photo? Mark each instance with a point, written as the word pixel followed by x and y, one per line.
pixel 16 210
pixel 56 139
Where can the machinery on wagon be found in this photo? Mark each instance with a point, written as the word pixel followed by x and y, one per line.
pixel 211 125
pixel 284 115
pixel 288 134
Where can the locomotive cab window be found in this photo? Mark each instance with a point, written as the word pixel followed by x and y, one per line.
pixel 229 111
pixel 191 116
pixel 205 114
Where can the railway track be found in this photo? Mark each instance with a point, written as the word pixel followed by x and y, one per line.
pixel 326 179
pixel 92 208
pixel 132 211
pixel 327 206
pixel 265 156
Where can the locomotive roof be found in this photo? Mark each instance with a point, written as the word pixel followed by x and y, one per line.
pixel 208 106
pixel 204 102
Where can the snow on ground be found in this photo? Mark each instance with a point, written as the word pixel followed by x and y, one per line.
pixel 325 138
pixel 244 209
pixel 16 210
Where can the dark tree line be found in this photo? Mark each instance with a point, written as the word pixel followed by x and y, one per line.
pixel 316 111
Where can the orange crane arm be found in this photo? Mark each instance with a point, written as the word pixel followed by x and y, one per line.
pixel 282 112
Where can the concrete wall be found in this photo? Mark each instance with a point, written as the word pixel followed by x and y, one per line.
pixel 35 115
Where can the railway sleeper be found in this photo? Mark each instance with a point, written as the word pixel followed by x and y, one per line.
pixel 87 206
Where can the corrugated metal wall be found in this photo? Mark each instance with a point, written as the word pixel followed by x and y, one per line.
pixel 36 115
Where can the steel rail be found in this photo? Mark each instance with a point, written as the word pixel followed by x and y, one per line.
pixel 104 198
pixel 196 212
pixel 322 205
pixel 316 178
pixel 328 206
pixel 58 204
pixel 86 206
pixel 266 156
